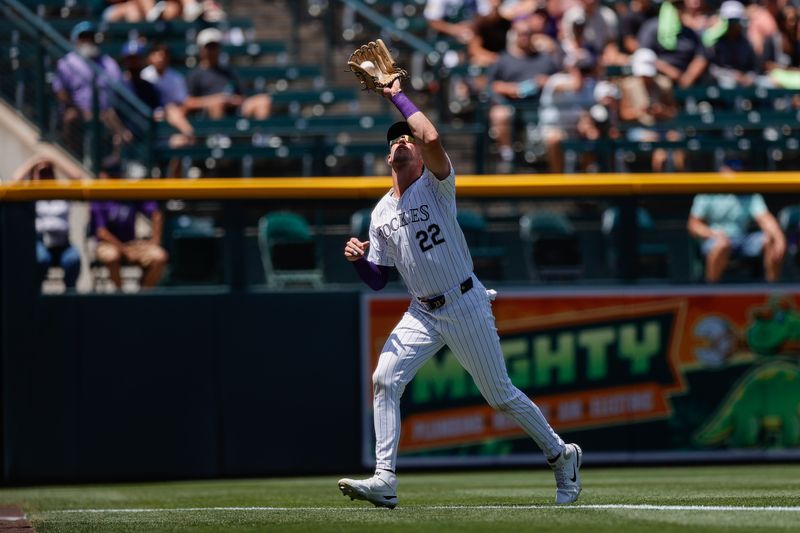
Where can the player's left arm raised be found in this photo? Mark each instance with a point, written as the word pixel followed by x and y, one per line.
pixel 433 154
pixel 377 71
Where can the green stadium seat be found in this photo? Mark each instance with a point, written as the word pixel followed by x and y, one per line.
pixel 285 125
pixel 739 98
pixel 195 248
pixel 297 99
pixel 279 72
pixel 551 247
pixel 180 49
pixel 163 29
pixel 359 224
pixel 653 253
pixel 288 252
pixel 256 78
pixel 487 259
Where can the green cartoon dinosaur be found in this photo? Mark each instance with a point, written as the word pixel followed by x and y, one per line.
pixel 775 328
pixel 762 409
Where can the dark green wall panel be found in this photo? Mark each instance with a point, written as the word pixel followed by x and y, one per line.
pixel 290 366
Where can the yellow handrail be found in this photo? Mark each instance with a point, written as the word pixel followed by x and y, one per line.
pixel 517 185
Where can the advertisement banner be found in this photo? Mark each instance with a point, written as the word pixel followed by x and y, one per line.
pixel 640 375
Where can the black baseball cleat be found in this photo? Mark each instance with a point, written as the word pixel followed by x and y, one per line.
pixel 380 489
pixel 566 468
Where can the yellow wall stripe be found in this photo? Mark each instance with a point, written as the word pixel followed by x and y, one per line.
pixel 527 185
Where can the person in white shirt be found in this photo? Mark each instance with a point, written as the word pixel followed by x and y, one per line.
pixel 414 229
pixel 53 247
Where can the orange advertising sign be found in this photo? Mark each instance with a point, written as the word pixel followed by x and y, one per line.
pixel 592 360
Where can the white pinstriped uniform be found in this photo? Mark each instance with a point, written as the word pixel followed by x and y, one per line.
pixel 420 236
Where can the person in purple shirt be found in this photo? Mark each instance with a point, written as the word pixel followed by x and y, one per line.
pixel 73 82
pixel 114 225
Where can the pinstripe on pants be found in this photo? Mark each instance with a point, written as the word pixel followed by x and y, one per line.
pixel 467 326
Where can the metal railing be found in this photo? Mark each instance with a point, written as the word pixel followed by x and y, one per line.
pixel 31 49
pixel 389 28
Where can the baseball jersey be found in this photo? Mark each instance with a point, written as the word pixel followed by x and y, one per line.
pixel 420 236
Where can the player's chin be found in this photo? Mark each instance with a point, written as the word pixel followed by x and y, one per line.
pixel 402 157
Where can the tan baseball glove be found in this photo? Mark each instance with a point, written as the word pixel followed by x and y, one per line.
pixel 374 66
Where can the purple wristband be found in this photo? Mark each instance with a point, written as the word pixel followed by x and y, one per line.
pixel 404 105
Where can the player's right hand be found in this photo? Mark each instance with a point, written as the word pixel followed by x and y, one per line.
pixel 355 249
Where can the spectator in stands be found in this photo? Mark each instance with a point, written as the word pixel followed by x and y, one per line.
pixel 566 100
pixel 490 32
pixel 678 48
pixel 647 99
pixel 127 10
pixel 133 59
pixel 695 16
pixel 732 61
pixel 762 17
pixel 53 247
pixel 455 18
pixel 73 84
pixel 600 29
pixel 215 89
pixel 575 44
pixel 519 74
pixel 188 10
pixel 170 83
pixel 605 113
pixel 639 11
pixel 150 10
pixel 722 222
pixel 114 224
pixel 781 51
pixel 551 10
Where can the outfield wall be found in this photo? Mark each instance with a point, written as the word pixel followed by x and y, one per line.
pixel 195 385
pixel 634 374
pixel 231 381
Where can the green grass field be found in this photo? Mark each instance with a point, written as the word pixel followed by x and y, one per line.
pixel 619 500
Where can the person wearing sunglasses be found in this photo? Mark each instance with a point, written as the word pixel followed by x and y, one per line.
pixel 413 228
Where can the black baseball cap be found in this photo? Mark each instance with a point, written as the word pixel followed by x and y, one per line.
pixel 396 130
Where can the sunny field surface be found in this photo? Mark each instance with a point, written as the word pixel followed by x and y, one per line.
pixel 620 500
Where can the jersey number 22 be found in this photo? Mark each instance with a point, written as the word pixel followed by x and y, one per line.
pixel 432 234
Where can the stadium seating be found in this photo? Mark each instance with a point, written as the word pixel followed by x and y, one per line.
pixel 182 51
pixel 288 252
pixel 653 253
pixel 322 125
pixel 195 248
pixel 551 247
pixel 486 258
pixel 359 224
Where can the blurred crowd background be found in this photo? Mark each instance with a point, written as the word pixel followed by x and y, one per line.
pixel 189 88
pixel 192 89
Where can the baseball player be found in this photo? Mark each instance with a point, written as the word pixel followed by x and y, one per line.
pixel 413 228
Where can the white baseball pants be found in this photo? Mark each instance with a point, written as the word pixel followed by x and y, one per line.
pixel 466 324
